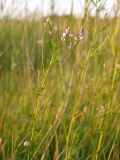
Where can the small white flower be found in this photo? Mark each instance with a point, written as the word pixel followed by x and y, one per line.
pixel 67 30
pixel 64 34
pixel 26 144
pixel 70 34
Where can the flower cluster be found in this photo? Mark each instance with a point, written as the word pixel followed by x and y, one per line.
pixel 66 34
pixel 69 37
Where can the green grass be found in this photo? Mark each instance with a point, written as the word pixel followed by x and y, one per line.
pixel 64 102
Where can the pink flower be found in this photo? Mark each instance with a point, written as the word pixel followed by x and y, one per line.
pixel 81 34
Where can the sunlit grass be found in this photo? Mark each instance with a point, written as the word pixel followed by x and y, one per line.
pixel 59 99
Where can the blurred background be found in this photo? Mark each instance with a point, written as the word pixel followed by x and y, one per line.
pixel 23 8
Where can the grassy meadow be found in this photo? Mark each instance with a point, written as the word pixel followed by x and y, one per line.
pixel 60 89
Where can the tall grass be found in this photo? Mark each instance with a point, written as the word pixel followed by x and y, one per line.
pixel 59 101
